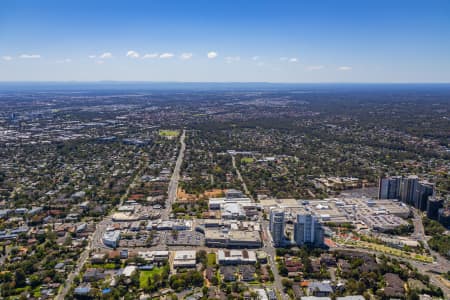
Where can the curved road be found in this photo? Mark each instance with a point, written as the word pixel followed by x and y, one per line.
pixel 424 268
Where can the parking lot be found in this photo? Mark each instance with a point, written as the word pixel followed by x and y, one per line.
pixel 185 238
pixel 139 240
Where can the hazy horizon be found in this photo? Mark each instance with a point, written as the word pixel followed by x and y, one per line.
pixel 153 86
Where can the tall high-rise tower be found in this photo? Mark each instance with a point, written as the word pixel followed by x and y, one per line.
pixel 408 188
pixel 308 230
pixel 390 187
pixel 433 206
pixel 423 191
pixel 276 227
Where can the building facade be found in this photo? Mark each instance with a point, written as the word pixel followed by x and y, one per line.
pixel 444 216
pixel 308 231
pixel 276 227
pixel 111 238
pixel 421 195
pixel 408 190
pixel 433 206
pixel 390 187
pixel 408 187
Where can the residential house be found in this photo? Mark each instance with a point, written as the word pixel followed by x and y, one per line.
pixel 394 286
pixel 319 289
pixel 93 274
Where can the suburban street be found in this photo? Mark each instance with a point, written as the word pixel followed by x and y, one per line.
pixel 441 264
pixel 79 265
pixel 244 186
pixel 267 244
pixel 94 242
pixel 173 185
pixel 424 268
pixel 271 253
pixel 172 149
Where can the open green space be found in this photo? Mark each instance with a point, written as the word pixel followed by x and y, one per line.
pixel 109 266
pixel 211 259
pixel 389 250
pixel 146 274
pixel 247 160
pixel 169 133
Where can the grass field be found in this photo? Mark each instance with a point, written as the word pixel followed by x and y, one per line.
pixel 109 266
pixel 144 275
pixel 211 259
pixel 247 160
pixel 169 133
pixel 396 252
pixel 390 250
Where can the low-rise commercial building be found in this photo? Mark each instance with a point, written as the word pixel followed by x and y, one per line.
pixel 217 203
pixel 174 225
pixel 232 238
pixel 154 256
pixel 382 222
pixel 232 211
pixel 111 238
pixel 236 257
pixel 184 259
pixel 129 270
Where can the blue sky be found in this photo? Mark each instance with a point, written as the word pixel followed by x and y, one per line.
pixel 234 40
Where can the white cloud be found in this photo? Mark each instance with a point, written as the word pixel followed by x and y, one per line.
pixel 62 61
pixel 212 54
pixel 151 55
pixel 186 56
pixel 7 58
pixel 31 56
pixel 255 57
pixel 230 59
pixel 132 54
pixel 292 59
pixel 315 68
pixel 260 64
pixel 344 68
pixel 100 62
pixel 106 55
pixel 166 55
pixel 92 56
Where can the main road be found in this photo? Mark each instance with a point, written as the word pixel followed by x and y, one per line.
pixel 244 186
pixel 419 231
pixel 441 264
pixel 95 238
pixel 271 251
pixel 173 184
pixel 267 242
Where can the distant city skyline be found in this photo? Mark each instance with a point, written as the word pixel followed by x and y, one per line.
pixel 223 41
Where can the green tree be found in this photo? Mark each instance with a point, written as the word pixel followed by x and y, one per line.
pixel 20 278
